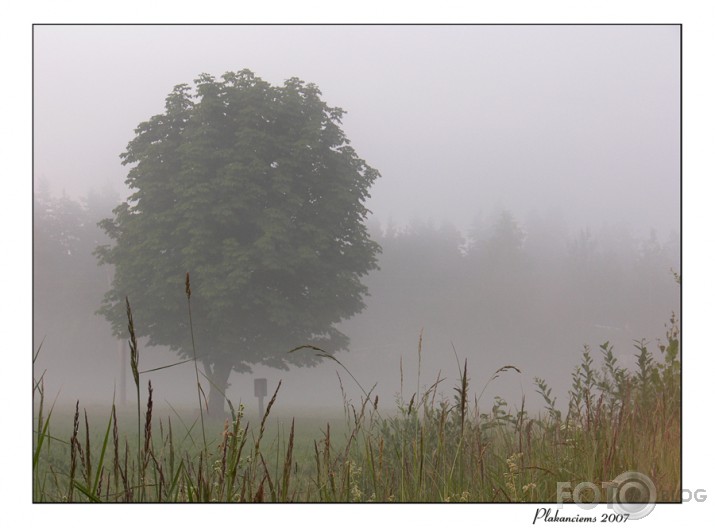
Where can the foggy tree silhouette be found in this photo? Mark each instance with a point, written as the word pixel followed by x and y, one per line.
pixel 255 190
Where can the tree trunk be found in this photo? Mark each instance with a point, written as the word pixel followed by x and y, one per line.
pixel 217 390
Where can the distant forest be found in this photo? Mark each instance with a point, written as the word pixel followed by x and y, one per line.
pixel 526 290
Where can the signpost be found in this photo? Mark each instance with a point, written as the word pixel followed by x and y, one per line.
pixel 260 390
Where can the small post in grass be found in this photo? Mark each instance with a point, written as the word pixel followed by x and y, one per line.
pixel 260 390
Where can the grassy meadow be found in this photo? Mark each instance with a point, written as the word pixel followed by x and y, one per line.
pixel 430 448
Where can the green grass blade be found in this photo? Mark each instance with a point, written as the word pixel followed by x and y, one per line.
pixel 87 493
pixel 40 440
pixel 103 451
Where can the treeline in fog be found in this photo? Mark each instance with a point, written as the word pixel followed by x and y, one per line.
pixel 68 287
pixel 523 291
pixel 529 292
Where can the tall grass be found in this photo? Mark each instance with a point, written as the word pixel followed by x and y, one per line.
pixel 199 390
pixel 432 449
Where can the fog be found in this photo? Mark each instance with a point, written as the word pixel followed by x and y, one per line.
pixel 528 205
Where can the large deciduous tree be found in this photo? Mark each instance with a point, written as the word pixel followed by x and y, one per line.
pixel 255 190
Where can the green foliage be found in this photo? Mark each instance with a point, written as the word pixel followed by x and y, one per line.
pixel 545 392
pixel 256 191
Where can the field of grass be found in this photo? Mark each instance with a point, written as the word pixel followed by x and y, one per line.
pixel 430 449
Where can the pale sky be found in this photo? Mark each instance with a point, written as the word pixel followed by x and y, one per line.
pixel 583 121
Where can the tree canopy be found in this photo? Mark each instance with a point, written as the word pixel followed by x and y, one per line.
pixel 255 190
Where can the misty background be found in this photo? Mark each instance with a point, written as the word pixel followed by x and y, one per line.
pixel 529 202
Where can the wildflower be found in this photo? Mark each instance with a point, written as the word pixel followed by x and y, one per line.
pixel 354 471
pixel 511 462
